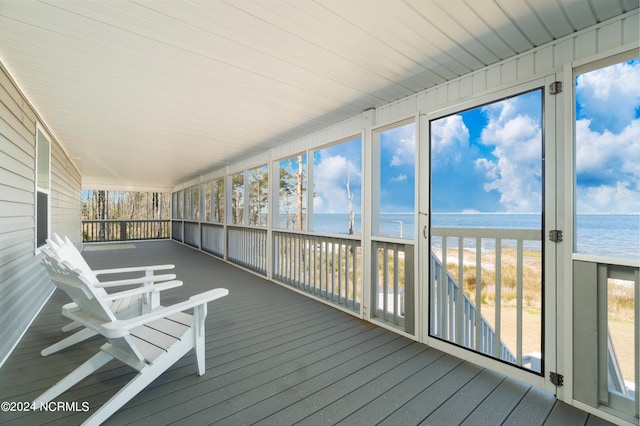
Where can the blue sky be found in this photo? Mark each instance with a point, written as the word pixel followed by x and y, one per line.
pixel 397 169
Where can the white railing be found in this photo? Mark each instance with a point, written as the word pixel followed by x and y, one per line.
pixel 621 391
pixel 449 313
pixel 247 247
pixel 453 315
pixel 212 238
pixel 393 284
pixel 324 266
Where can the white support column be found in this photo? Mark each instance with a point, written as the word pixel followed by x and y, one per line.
pixel 203 214
pixel 273 210
pixel 417 235
pixel 423 249
pixel 369 118
pixel 309 220
pixel 227 215
pixel 245 197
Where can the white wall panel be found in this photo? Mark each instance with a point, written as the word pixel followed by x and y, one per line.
pixel 586 44
pixel 630 29
pixel 509 72
pixel 494 78
pixel 466 87
pixel 525 67
pixel 24 283
pixel 610 36
pixel 563 52
pixel 479 82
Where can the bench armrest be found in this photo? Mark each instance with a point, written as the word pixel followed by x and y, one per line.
pixel 121 328
pixel 131 281
pixel 133 269
pixel 143 290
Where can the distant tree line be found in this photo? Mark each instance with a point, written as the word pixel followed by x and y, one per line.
pixel 104 205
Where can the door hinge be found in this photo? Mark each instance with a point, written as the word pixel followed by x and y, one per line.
pixel 556 379
pixel 555 235
pixel 555 88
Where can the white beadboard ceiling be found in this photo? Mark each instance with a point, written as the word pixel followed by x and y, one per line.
pixel 153 93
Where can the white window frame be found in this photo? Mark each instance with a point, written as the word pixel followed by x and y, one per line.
pixel 37 189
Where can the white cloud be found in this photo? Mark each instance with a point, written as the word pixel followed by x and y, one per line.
pixel 330 190
pixel 608 198
pixel 607 151
pixel 403 152
pixel 517 142
pixel 610 95
pixel 608 139
pixel 450 140
pixel 608 168
pixel 400 178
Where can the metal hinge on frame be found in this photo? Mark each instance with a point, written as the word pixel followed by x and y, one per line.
pixel 555 88
pixel 555 235
pixel 556 379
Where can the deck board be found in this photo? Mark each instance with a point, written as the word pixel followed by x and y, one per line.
pixel 533 409
pixel 566 415
pixel 499 404
pixel 273 357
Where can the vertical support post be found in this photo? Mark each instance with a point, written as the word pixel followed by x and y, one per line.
pixel 409 289
pixel 396 285
pixel 123 230
pixel 519 300
pixel 498 300
pixel 460 294
pixel 444 292
pixel 636 345
pixel 603 333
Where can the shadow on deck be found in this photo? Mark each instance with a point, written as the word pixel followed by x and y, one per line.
pixel 274 357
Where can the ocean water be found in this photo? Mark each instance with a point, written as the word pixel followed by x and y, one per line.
pixel 614 235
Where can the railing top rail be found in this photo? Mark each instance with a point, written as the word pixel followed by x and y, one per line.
pixel 248 227
pixel 318 234
pixel 500 233
pixel 607 260
pixel 217 224
pixel 393 240
pixel 123 220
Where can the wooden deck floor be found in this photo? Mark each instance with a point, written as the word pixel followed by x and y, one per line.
pixel 274 357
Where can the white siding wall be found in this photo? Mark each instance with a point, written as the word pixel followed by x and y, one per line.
pixel 24 283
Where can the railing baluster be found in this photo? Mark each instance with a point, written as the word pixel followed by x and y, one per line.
pixel 498 298
pixel 385 282
pixel 444 296
pixel 434 312
pixel 460 294
pixel 478 304
pixel 519 300
pixel 396 287
pixel 332 265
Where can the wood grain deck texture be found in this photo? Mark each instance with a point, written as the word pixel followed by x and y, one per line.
pixel 274 357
